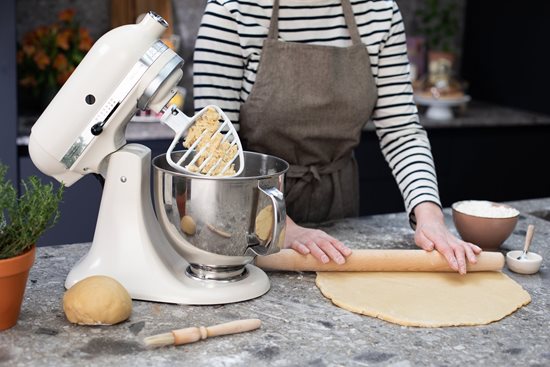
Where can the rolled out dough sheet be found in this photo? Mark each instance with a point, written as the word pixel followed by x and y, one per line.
pixel 425 299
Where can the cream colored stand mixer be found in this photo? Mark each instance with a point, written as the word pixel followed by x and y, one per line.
pixel 155 257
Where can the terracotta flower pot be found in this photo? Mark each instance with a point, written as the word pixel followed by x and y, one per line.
pixel 13 280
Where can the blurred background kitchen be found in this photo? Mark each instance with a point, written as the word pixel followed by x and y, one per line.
pixel 480 72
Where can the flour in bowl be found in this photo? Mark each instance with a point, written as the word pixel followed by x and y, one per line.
pixel 485 209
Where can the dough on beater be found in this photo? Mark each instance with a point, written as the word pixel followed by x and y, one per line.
pixel 97 300
pixel 214 143
pixel 425 299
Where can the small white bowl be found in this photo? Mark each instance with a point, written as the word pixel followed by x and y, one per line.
pixel 527 266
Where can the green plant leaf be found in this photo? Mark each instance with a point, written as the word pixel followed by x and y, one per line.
pixel 24 218
pixel 438 23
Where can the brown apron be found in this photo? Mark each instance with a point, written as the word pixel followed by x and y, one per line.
pixel 308 106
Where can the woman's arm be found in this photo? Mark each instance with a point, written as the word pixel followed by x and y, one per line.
pixel 405 145
pixel 403 141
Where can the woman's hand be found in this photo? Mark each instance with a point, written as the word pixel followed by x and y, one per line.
pixel 322 246
pixel 432 233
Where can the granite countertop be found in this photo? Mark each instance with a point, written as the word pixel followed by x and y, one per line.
pixel 300 327
pixel 476 114
pixel 480 114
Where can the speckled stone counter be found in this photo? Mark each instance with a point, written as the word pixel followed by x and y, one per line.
pixel 300 327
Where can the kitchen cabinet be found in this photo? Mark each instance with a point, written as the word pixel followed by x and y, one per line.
pixel 492 153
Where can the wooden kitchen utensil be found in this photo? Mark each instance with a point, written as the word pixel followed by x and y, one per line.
pixel 528 238
pixel 377 260
pixel 193 334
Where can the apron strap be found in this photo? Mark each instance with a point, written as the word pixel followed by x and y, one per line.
pixel 348 15
pixel 274 24
pixel 350 21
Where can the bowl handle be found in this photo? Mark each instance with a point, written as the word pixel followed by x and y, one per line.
pixel 271 244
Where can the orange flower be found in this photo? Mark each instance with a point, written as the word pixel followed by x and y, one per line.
pixel 60 62
pixel 29 50
pixel 63 39
pixel 28 81
pixel 48 55
pixel 66 15
pixel 29 38
pixel 62 77
pixel 41 59
pixel 85 40
pixel 40 32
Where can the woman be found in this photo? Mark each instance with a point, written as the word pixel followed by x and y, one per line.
pixel 302 77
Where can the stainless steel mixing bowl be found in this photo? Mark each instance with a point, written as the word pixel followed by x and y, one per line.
pixel 212 221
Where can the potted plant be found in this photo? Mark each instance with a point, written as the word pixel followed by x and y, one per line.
pixel 23 219
pixel 439 24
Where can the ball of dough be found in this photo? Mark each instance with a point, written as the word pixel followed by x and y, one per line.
pixel 97 300
pixel 188 225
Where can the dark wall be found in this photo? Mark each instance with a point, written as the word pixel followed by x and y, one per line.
pixel 8 99
pixel 506 53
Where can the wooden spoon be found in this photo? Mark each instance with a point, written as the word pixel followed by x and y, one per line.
pixel 528 238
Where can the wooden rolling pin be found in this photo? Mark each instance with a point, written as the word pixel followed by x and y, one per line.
pixel 377 260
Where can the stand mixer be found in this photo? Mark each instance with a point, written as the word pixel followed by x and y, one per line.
pixel 155 258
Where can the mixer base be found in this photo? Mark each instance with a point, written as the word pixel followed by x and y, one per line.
pixel 253 285
pixel 222 274
pixel 130 246
pixel 160 285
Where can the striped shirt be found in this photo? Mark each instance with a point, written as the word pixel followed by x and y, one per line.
pixel 229 47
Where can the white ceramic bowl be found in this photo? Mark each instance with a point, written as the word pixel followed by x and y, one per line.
pixel 528 266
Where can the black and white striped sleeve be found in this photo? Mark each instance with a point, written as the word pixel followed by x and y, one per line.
pixel 403 141
pixel 218 65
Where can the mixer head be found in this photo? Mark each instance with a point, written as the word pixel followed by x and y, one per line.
pixel 127 69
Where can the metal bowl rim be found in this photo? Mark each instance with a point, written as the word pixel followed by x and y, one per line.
pixel 221 178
